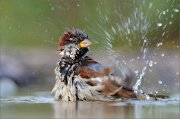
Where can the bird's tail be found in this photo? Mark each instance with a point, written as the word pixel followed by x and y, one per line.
pixel 145 96
pixel 158 96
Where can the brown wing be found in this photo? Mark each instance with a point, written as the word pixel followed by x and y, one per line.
pixel 91 69
pixel 112 88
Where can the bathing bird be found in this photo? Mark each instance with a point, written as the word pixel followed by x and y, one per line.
pixel 80 77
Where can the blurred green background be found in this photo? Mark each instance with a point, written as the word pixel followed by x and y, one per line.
pixel 40 23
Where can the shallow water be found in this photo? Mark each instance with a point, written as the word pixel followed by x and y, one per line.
pixel 147 28
pixel 42 105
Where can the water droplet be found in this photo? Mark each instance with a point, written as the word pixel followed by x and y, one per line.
pixel 124 61
pixel 177 73
pixel 78 5
pixel 113 29
pixel 150 5
pixel 163 34
pixel 136 72
pixel 151 63
pixel 108 35
pixel 52 8
pixel 160 82
pixel 159 24
pixel 106 18
pixel 147 97
pixel 172 16
pixel 145 50
pixel 164 12
pixel 164 26
pixel 162 54
pixel 109 44
pixel 175 10
pixel 131 60
pixel 141 91
pixel 159 44
pixel 128 31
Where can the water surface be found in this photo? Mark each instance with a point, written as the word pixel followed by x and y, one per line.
pixel 42 106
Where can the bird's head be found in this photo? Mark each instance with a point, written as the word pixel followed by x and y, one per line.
pixel 73 44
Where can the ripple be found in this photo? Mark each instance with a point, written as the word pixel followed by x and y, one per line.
pixel 27 99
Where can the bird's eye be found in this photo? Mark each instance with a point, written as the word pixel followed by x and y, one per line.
pixel 74 41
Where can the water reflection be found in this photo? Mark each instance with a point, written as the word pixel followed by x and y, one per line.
pixel 123 110
pixel 25 107
pixel 92 109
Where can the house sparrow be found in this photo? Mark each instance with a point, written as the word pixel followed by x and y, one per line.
pixel 79 77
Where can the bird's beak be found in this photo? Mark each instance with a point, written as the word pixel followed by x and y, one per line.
pixel 85 43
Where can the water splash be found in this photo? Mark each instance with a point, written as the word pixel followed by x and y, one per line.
pixel 151 63
pixel 162 55
pixel 133 30
pixel 176 10
pixel 159 44
pixel 138 83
